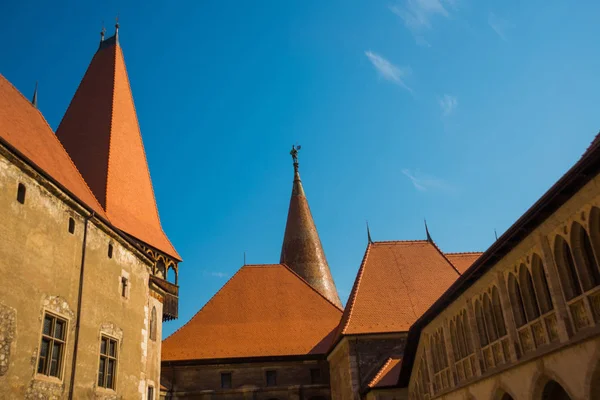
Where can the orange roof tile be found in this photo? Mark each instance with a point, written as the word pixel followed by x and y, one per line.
pixel 24 128
pixel 396 283
pixel 462 261
pixel 100 131
pixel 387 375
pixel 263 310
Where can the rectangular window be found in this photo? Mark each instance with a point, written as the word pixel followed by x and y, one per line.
pixel 315 375
pixel 124 283
pixel 150 393
pixel 271 378
pixel 108 363
pixel 225 380
pixel 52 348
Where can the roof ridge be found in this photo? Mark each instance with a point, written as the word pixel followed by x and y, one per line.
pixel 261 265
pixel 54 137
pixel 310 286
pixel 205 304
pixel 445 258
pixel 457 253
pixel 112 112
pixel 352 298
pixel 399 241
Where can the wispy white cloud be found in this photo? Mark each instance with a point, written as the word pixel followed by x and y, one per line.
pixel 448 104
pixel 389 71
pixel 423 182
pixel 215 274
pixel 418 15
pixel 499 25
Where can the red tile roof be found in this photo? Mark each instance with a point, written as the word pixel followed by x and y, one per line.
pixel 396 283
pixel 263 310
pixel 462 261
pixel 387 375
pixel 24 128
pixel 100 131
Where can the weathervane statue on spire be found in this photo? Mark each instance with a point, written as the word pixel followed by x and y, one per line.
pixel 294 154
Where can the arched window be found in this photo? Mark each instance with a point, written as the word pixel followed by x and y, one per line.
pixel 490 322
pixel 453 339
pixel 465 325
pixel 498 314
pixel 481 324
pixel 161 271
pixel 442 345
pixel 585 261
pixel 153 324
pixel 516 301
pixel 21 190
pixel 532 310
pixel 434 356
pixel 566 268
pixel 541 284
pixel 554 391
pixel 171 274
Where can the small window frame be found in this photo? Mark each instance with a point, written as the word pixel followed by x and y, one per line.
pixel 271 378
pixel 21 193
pixel 45 367
pixel 226 380
pixel 102 381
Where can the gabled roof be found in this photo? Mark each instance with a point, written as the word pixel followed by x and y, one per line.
pixel 396 282
pixel 262 311
pixel 100 131
pixel 302 250
pixel 387 376
pixel 462 261
pixel 24 128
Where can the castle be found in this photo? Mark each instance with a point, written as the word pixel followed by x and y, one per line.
pixel 83 316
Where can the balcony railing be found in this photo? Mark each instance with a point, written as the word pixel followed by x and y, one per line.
pixel 171 299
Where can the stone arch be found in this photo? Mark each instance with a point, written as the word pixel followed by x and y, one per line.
pixel 498 313
pixel 172 274
pixel 480 324
pixel 454 340
pixel 594 229
pixel 516 301
pixel 545 384
pixel 500 393
pixel 488 315
pixel 532 309
pixel 541 284
pixel 592 381
pixel 585 260
pixel 566 268
pixel 161 268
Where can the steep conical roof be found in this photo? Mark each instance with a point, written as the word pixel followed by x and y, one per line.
pixel 100 132
pixel 302 250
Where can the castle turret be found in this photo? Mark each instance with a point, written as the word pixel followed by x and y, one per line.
pixel 302 250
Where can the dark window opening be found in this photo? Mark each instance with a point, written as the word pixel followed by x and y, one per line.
pixel 21 193
pixel 71 225
pixel 124 284
pixel 110 250
pixel 52 346
pixel 153 324
pixel 225 380
pixel 315 375
pixel 271 378
pixel 108 363
pixel 150 393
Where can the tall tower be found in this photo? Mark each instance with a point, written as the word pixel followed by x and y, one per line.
pixel 302 250
pixel 100 131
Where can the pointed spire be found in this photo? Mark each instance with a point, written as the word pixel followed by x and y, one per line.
pixel 100 131
pixel 34 98
pixel 369 233
pixel 302 250
pixel 102 33
pixel 117 29
pixel 429 239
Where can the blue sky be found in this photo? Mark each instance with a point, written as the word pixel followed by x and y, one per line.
pixel 460 111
